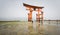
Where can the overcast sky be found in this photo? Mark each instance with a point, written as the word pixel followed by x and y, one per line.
pixel 14 9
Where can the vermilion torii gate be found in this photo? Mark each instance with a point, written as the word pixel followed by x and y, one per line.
pixel 39 15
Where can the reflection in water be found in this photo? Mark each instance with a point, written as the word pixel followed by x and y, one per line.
pixel 39 30
pixel 30 28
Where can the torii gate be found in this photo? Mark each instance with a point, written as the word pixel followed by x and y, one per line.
pixel 39 15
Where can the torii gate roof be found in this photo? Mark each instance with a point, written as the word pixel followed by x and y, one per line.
pixel 27 5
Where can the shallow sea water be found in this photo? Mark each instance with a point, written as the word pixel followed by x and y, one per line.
pixel 29 28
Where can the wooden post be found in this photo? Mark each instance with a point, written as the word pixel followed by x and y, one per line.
pixel 30 14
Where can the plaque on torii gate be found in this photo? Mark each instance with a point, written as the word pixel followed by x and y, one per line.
pixel 31 8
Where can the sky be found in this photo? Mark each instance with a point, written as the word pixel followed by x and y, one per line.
pixel 14 9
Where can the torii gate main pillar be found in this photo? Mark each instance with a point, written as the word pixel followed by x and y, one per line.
pixel 39 15
pixel 30 14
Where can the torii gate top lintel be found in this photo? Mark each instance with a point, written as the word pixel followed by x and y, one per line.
pixel 27 5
